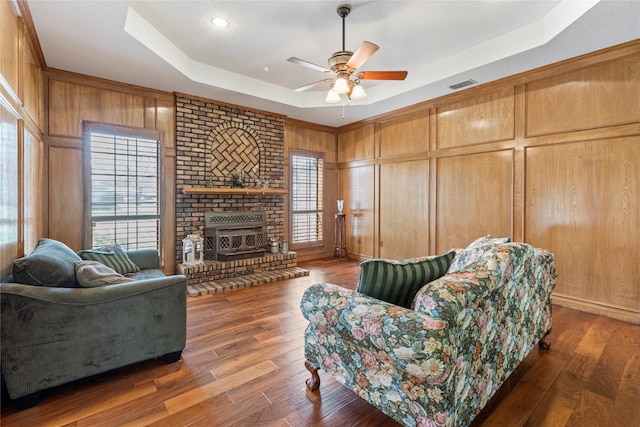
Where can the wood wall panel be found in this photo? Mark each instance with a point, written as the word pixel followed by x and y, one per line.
pixel 74 99
pixel 66 194
pixel 582 203
pixel 164 113
pixel 72 103
pixel 32 87
pixel 408 134
pixel 122 108
pixel 9 190
pixel 474 197
pixel 9 45
pixel 34 182
pixel 357 190
pixel 356 144
pixel 482 119
pixel 304 137
pixel 404 211
pixel 314 138
pixel 550 157
pixel 600 95
pixel 69 104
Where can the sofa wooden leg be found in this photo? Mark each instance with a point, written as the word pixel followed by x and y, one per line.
pixel 313 383
pixel 544 343
pixel 173 357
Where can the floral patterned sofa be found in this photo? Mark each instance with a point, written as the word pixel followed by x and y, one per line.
pixel 439 363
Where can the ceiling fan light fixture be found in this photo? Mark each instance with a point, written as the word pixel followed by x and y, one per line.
pixel 332 97
pixel 341 85
pixel 358 92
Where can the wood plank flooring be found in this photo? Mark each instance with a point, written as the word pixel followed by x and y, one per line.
pixel 243 366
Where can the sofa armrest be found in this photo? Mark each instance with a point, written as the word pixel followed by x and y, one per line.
pixel 418 344
pixel 146 259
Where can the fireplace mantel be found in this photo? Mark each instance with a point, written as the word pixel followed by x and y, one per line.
pixel 219 190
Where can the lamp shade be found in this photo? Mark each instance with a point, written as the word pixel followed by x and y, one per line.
pixel 358 92
pixel 341 85
pixel 332 97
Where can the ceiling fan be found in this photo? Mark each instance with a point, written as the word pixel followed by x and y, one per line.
pixel 344 64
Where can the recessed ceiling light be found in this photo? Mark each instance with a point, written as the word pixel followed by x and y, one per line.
pixel 220 22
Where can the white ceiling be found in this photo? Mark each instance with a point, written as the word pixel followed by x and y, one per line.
pixel 172 46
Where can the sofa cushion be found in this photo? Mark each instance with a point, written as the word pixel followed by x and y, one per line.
pixel 397 282
pixel 50 264
pixel 112 256
pixel 474 251
pixel 91 274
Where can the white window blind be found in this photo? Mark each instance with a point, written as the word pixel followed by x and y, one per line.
pixel 124 182
pixel 307 180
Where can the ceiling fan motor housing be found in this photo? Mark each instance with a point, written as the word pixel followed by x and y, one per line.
pixel 338 62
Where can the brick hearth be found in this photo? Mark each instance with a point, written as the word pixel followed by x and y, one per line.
pixel 215 276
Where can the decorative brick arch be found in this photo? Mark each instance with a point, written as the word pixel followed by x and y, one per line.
pixel 232 146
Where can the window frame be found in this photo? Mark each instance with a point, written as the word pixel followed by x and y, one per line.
pixel 320 156
pixel 88 128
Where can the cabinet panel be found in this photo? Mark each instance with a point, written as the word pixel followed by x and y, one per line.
pixel 474 197
pixel 582 204
pixel 404 209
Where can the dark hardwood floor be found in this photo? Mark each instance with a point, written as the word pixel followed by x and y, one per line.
pixel 243 366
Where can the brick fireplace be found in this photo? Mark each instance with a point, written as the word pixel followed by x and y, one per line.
pixel 213 142
pixel 216 145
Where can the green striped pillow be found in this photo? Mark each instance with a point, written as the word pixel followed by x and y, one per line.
pixel 112 256
pixel 398 282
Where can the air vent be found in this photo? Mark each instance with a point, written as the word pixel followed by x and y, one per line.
pixel 463 84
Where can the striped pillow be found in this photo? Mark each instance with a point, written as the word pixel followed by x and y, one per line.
pixel 112 256
pixel 397 282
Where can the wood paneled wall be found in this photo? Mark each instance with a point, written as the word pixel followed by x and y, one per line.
pixel 550 157
pixel 72 99
pixel 320 139
pixel 22 154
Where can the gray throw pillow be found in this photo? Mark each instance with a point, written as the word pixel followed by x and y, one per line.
pixel 398 282
pixel 112 256
pixel 91 274
pixel 51 263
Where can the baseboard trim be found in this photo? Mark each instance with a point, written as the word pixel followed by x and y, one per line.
pixel 613 312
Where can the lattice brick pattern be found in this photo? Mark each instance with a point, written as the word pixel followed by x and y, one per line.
pixel 233 148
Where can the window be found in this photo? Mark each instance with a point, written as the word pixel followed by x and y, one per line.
pixel 306 197
pixel 124 193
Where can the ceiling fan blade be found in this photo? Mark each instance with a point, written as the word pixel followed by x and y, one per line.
pixel 382 75
pixel 309 64
pixel 312 85
pixel 361 55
